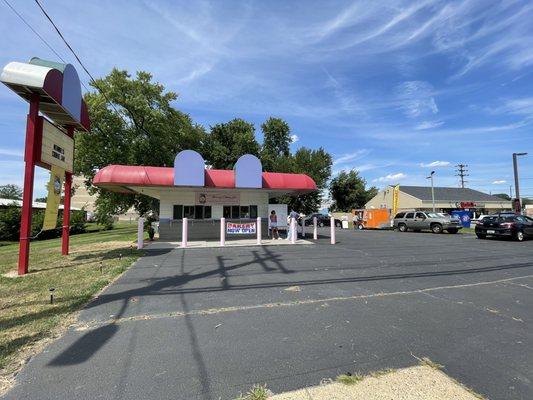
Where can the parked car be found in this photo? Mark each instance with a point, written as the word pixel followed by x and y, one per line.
pixel 321 220
pixel 421 220
pixel 518 227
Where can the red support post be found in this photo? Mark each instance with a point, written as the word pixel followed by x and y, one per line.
pixel 65 235
pixel 30 153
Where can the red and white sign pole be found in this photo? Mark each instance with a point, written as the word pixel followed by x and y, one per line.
pixel 30 154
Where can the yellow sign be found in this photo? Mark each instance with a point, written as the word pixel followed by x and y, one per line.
pixel 395 199
pixel 57 148
pixel 54 197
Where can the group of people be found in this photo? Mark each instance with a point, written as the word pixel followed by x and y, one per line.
pixel 273 217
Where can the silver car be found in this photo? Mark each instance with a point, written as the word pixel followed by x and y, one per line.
pixel 421 220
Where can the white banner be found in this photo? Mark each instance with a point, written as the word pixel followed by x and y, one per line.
pixel 247 228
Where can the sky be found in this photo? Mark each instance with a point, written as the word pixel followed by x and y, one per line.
pixel 393 89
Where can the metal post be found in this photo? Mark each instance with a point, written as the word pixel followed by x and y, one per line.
pixel 222 231
pixel 516 183
pixel 140 233
pixel 258 227
pixel 292 227
pixel 27 194
pixel 332 229
pixel 65 235
pixel 315 229
pixel 432 194
pixel 184 232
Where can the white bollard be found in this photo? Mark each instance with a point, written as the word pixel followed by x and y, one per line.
pixel 184 232
pixel 140 233
pixel 315 229
pixel 303 228
pixel 222 231
pixel 332 230
pixel 258 227
pixel 293 230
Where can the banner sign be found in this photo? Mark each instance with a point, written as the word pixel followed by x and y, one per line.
pixel 395 199
pixel 218 198
pixel 57 147
pixel 54 197
pixel 240 228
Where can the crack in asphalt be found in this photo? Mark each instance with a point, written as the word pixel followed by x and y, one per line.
pixel 211 311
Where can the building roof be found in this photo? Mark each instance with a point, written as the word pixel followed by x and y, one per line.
pixel 449 194
pixel 120 178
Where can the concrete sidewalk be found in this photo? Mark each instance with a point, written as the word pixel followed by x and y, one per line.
pixel 414 383
pixel 202 244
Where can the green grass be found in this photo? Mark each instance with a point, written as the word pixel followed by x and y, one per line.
pixel 350 379
pixel 26 313
pixel 257 392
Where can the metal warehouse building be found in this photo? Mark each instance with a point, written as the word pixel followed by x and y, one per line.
pixel 446 199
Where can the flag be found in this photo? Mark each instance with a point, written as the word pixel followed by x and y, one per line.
pixel 395 199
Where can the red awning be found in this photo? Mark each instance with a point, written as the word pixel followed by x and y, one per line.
pixel 121 177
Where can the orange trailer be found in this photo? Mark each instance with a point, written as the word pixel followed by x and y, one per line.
pixel 373 219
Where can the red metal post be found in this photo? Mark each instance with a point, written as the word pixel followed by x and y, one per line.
pixel 65 236
pixel 30 153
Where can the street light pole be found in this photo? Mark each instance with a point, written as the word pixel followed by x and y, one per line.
pixel 432 189
pixel 516 183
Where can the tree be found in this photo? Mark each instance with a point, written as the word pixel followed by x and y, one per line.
pixel 504 196
pixel 228 141
pixel 276 142
pixel 146 130
pixel 10 191
pixel 348 191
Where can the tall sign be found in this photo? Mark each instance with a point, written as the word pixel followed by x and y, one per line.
pixel 52 89
pixel 395 199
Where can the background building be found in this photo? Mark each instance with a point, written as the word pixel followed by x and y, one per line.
pixel 446 199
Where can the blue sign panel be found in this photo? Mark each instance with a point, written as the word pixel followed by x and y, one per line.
pixel 464 217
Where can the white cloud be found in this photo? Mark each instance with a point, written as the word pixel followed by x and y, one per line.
pixel 349 157
pixel 390 177
pixel 436 164
pixel 499 182
pixel 417 98
pixel 428 125
pixel 294 138
pixel 11 152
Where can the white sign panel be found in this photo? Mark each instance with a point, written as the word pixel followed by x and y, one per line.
pixel 218 198
pixel 57 148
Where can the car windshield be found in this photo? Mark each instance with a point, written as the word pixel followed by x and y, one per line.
pixel 434 215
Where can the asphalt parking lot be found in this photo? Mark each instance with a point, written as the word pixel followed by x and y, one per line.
pixel 209 323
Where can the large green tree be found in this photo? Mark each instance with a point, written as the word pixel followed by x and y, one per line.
pixel 226 142
pixel 276 144
pixel 348 191
pixel 146 130
pixel 10 191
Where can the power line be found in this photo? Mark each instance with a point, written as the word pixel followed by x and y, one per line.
pixel 93 81
pixel 461 173
pixel 39 36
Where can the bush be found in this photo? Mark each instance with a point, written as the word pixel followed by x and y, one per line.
pixel 9 223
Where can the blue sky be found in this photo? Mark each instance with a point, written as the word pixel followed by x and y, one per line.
pixel 394 89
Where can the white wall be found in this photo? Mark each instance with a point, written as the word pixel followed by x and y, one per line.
pixel 248 197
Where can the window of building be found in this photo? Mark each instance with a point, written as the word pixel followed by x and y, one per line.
pixel 188 212
pixel 253 211
pixel 177 211
pixel 198 212
pixel 207 212
pixel 226 212
pixel 235 211
pixel 245 212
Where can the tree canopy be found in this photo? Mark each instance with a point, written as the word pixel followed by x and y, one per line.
pixel 348 191
pixel 10 191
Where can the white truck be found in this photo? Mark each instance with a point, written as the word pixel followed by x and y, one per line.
pixel 281 212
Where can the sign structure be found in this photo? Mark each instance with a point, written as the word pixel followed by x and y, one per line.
pixel 57 148
pixel 220 199
pixel 54 197
pixel 247 228
pixel 52 89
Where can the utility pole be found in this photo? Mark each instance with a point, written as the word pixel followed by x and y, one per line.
pixel 516 184
pixel 461 173
pixel 432 189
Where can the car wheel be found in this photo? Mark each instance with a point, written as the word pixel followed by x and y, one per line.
pixel 321 224
pixel 360 227
pixel 519 235
pixel 402 227
pixel 453 230
pixel 481 236
pixel 436 228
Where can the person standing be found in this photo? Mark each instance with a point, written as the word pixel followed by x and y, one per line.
pixel 274 225
pixel 295 215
